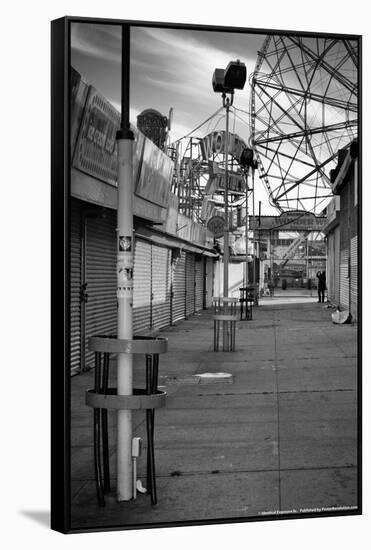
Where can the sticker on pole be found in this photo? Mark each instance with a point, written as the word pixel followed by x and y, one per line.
pixel 125 275
pixel 125 243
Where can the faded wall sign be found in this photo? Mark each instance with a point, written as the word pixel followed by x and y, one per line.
pixel 79 93
pixel 96 152
pixel 154 177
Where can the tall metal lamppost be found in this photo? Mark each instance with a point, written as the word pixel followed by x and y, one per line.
pixel 226 81
pixel 125 265
pixel 247 161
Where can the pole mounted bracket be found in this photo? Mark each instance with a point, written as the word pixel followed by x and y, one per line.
pixel 124 133
pixel 228 101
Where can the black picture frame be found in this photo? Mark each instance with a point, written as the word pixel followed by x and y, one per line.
pixel 60 271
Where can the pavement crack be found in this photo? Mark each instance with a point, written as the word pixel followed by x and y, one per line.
pixel 335 342
pixel 255 471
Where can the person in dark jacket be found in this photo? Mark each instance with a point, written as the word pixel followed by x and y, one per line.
pixel 321 276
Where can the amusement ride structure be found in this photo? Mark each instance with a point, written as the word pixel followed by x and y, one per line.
pixel 303 110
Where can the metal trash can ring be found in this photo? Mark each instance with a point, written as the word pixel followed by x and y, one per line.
pixel 247 300
pixel 102 398
pixel 225 312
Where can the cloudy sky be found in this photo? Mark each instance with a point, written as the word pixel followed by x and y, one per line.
pixel 173 68
pixel 169 68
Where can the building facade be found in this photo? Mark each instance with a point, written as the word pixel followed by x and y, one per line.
pixel 173 256
pixel 342 231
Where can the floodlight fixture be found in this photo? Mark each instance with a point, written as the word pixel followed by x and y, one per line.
pixel 218 81
pixel 235 75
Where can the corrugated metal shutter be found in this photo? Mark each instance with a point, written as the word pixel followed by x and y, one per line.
pixel 142 287
pixel 330 267
pixel 199 282
pixel 160 286
pixel 75 282
pixel 209 281
pixel 101 307
pixel 190 283
pixel 337 266
pixel 179 287
pixel 344 278
pixel 354 277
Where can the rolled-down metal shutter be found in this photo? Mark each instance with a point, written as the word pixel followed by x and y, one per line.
pixel 344 278
pixel 160 286
pixel 354 277
pixel 330 274
pixel 190 283
pixel 337 266
pixel 142 287
pixel 75 287
pixel 179 286
pixel 209 281
pixel 199 282
pixel 101 307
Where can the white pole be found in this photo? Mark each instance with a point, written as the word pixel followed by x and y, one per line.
pixel 125 265
pixel 226 227
pixel 254 234
pixel 247 231
pixel 226 205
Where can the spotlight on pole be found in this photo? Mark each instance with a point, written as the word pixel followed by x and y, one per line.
pixel 235 75
pixel 226 81
pixel 218 81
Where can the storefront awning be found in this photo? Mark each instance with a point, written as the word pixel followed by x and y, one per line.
pixel 171 241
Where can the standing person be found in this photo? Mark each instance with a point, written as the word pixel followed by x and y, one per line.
pixel 321 276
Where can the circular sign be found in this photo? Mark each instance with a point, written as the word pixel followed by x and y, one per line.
pixel 216 226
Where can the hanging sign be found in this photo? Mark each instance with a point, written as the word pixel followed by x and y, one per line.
pixel 288 222
pixel 214 144
pixel 154 126
pixel 216 226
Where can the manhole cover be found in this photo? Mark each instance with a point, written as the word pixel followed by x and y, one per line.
pixel 215 377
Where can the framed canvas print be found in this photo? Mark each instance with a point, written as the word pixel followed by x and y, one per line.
pixel 206 192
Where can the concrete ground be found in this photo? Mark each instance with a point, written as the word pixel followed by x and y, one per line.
pixel 280 437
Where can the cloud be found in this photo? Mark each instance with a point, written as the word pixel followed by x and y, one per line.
pixel 181 61
pixel 175 67
pixel 99 41
pixel 169 68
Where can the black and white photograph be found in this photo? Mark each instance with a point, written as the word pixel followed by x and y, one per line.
pixel 211 187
